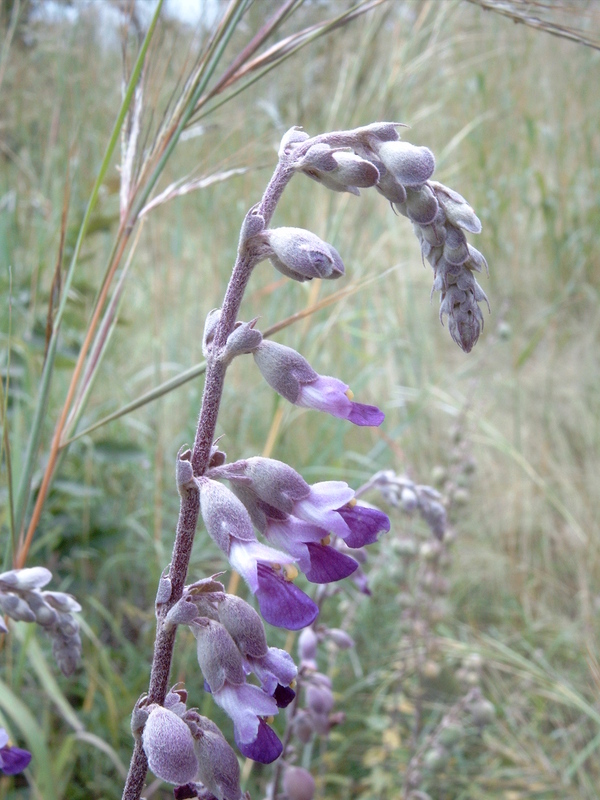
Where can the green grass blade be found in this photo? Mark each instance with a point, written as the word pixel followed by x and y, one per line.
pixel 33 443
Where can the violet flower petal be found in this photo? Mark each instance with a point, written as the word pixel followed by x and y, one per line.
pixel 14 760
pixel 244 704
pixel 331 395
pixel 327 564
pixel 283 696
pixel 365 524
pixel 265 748
pixel 244 557
pixel 281 602
pixel 275 668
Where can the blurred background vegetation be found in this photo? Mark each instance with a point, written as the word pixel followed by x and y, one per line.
pixel 512 116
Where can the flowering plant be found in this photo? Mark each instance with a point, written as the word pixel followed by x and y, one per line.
pixel 308 528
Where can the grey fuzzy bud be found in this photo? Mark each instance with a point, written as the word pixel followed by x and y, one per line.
pixel 290 139
pixel 61 601
pixel 421 205
pixel 298 784
pixel 16 608
pixel 456 251
pixel 284 369
pixel 218 656
pixel 465 320
pixel 307 644
pixel 218 767
pixel 338 170
pixel 390 187
pixel 25 579
pixel 224 515
pixel 411 166
pixel 169 747
pixel 408 500
pixel 272 481
pixel 319 699
pixel 253 224
pixel 66 651
pixel 457 209
pixel 44 615
pixel 303 727
pixel 243 625
pixel 434 514
pixel 302 255
pixel 340 638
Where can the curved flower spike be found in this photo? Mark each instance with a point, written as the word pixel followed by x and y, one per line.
pixel 292 377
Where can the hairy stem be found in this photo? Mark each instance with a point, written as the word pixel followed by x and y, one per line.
pixel 190 498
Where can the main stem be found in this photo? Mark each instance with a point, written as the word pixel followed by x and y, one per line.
pixel 190 499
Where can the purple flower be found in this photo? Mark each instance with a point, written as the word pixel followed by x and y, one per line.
pixel 292 377
pixel 365 524
pixel 269 574
pixel 223 669
pixel 335 397
pixel 246 705
pixel 12 759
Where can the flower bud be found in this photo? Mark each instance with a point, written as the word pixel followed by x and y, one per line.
pixel 340 638
pixel 455 250
pixel 218 767
pixel 224 515
pixel 338 170
pixel 16 608
pixel 482 712
pixel 298 784
pixel 302 255
pixel 243 625
pixel 408 500
pixel 319 699
pixel 169 747
pixel 307 644
pixel 457 209
pixel 25 579
pixel 410 165
pixel 292 138
pixel 421 205
pixel 218 656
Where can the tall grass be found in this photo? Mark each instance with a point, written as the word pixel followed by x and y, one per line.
pixel 512 116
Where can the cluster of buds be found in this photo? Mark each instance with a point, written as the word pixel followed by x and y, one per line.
pixel 232 644
pixel 302 524
pixel 469 714
pixel 317 715
pixel 22 600
pixel 186 749
pixel 374 155
pixel 312 714
pixel 402 492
